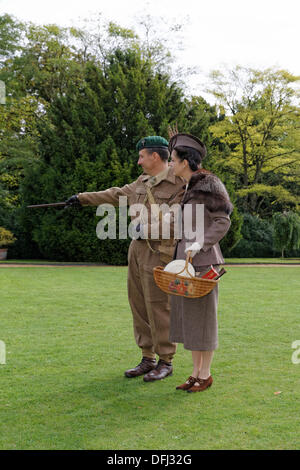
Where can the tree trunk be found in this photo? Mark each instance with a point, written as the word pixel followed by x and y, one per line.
pixel 253 202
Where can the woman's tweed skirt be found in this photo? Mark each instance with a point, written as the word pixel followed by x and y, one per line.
pixel 194 321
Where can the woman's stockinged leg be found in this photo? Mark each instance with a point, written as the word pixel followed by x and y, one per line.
pixel 206 360
pixel 197 363
pixel 197 360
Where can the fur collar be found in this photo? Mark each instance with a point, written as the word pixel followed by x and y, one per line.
pixel 208 189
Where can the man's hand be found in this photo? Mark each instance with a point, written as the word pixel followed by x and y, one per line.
pixel 193 248
pixel 73 201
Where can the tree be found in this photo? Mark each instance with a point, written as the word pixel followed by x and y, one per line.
pixel 286 231
pixel 10 34
pixel 260 124
pixel 87 143
pixel 256 238
pixel 18 117
pixel 76 109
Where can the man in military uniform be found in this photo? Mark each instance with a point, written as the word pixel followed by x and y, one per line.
pixel 149 305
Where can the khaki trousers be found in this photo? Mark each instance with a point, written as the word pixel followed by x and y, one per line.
pixel 150 306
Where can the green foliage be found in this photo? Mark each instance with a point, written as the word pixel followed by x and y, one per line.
pixel 78 100
pixel 84 121
pixel 11 31
pixel 233 235
pixel 87 143
pixel 6 237
pixel 286 231
pixel 115 30
pixel 260 125
pixel 257 238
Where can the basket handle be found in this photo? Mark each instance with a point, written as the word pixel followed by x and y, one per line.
pixel 188 259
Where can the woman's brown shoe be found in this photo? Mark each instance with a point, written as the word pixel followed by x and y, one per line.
pixel 188 384
pixel 201 384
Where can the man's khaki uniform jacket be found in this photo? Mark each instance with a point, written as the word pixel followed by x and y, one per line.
pixel 149 305
pixel 166 188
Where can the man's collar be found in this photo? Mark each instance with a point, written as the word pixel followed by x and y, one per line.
pixel 167 174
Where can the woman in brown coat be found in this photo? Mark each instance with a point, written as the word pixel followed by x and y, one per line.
pixel 194 321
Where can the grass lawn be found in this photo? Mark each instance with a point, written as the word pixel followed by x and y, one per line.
pixel 42 261
pixel 68 336
pixel 263 260
pixel 228 261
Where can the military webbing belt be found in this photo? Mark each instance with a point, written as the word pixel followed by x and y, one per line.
pixel 156 211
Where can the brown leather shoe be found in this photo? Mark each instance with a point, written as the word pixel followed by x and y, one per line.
pixel 162 370
pixel 142 368
pixel 188 384
pixel 201 384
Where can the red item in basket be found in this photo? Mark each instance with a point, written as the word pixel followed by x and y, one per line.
pixel 211 274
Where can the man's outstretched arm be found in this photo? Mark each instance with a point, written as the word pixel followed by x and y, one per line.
pixel 110 196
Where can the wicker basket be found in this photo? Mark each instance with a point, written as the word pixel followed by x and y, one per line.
pixel 191 287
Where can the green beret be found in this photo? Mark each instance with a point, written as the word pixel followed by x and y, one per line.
pixel 152 141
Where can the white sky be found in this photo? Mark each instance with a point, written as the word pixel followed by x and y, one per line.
pixel 257 33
